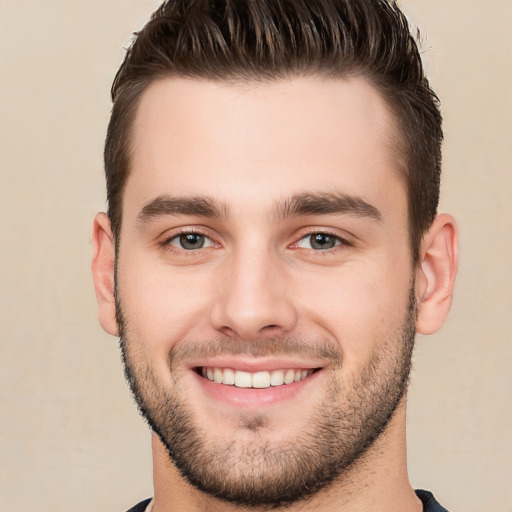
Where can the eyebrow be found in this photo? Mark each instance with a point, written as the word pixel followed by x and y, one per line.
pixel 297 205
pixel 325 204
pixel 196 206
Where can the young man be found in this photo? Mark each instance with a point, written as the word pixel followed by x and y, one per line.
pixel 271 248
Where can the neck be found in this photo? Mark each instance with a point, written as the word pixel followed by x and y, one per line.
pixel 378 482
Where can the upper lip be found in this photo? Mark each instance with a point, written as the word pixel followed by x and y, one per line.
pixel 253 365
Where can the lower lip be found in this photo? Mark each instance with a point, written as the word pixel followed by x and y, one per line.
pixel 254 397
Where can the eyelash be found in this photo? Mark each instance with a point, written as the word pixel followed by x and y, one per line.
pixel 340 241
pixel 166 243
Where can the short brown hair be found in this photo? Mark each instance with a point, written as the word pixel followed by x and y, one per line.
pixel 258 40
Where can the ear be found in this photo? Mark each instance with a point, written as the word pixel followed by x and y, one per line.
pixel 103 265
pixel 436 274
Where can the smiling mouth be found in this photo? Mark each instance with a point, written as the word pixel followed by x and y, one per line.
pixel 257 380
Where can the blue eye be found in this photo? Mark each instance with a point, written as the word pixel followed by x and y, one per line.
pixel 190 241
pixel 319 241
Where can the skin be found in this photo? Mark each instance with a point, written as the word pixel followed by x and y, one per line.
pixel 250 148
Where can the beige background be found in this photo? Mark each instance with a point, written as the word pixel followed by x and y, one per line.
pixel 70 438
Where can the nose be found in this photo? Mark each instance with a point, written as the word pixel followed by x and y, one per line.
pixel 253 299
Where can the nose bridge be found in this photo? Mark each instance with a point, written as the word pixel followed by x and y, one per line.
pixel 253 299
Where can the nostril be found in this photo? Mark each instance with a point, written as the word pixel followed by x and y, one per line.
pixel 270 329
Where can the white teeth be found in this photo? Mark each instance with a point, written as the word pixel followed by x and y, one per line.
pixel 259 380
pixel 289 376
pixel 229 377
pixel 277 378
pixel 218 375
pixel 243 379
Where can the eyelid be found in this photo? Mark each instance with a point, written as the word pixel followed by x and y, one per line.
pixel 175 233
pixel 308 232
pixel 208 242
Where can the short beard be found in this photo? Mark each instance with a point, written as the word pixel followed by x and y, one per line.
pixel 337 437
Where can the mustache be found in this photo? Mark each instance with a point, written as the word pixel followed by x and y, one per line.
pixel 264 347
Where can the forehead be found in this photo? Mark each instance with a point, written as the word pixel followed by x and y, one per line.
pixel 259 141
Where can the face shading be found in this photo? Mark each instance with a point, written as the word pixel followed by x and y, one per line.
pixel 248 469
pixel 265 296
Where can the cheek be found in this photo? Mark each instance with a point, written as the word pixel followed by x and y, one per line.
pixel 360 308
pixel 161 306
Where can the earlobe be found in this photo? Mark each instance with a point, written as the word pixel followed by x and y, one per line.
pixel 103 267
pixel 436 274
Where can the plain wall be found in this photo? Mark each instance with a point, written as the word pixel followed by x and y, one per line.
pixel 70 436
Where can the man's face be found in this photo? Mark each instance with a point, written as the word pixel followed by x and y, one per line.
pixel 264 283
